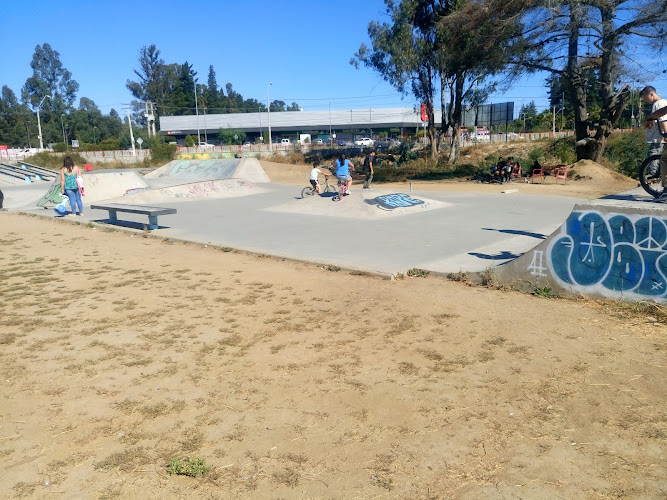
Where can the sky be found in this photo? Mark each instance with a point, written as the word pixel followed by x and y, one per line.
pixel 301 48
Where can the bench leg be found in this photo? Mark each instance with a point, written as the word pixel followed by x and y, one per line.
pixel 112 216
pixel 152 222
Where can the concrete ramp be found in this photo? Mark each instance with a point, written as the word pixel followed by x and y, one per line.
pixel 99 186
pixel 607 248
pixel 195 191
pixel 361 204
pixel 241 168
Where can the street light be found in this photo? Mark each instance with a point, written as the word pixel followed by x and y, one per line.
pixel 62 124
pixel 268 113
pixel 39 125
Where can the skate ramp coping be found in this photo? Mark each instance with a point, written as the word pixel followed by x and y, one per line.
pixel 602 250
pixel 361 204
pixel 225 168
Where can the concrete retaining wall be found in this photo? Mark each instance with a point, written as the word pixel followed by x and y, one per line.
pixel 600 251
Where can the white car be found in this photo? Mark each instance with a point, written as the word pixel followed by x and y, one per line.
pixel 364 141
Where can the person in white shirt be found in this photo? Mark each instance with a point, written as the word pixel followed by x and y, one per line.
pixel 656 115
pixel 313 177
pixel 654 130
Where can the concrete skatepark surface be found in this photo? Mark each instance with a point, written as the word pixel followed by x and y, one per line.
pixel 377 230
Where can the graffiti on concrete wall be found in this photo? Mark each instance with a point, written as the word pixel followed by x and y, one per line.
pixel 612 254
pixel 212 168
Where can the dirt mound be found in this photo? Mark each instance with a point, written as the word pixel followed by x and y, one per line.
pixel 588 170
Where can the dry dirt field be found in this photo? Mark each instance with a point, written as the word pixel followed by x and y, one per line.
pixel 120 351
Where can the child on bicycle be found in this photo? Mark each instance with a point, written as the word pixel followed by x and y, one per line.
pixel 313 177
pixel 343 166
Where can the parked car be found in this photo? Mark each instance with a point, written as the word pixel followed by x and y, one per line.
pixel 341 142
pixel 317 141
pixel 386 143
pixel 285 141
pixel 364 141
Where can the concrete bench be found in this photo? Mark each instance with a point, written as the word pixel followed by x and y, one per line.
pixel 152 212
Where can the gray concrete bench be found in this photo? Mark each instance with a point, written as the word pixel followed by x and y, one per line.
pixel 152 212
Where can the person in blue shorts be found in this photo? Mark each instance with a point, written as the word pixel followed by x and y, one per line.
pixel 342 168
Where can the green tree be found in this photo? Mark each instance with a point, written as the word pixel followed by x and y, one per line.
pixel 231 136
pixel 49 78
pixel 572 38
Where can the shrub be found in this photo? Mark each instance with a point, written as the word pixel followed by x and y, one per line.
pixel 60 147
pixel 108 145
pixel 188 466
pixel 536 154
pixel 47 160
pixel 231 136
pixel 563 149
pixel 626 151
pixel 160 151
pixel 189 141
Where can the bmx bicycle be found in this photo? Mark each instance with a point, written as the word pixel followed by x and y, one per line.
pixel 342 191
pixel 651 182
pixel 326 188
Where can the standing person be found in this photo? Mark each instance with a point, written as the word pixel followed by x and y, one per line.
pixel 69 186
pixel 663 159
pixel 343 166
pixel 654 130
pixel 368 169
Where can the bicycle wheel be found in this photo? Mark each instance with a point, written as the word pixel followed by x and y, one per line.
pixel 307 191
pixel 651 182
pixel 330 189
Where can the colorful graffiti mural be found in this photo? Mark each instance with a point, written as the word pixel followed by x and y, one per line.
pixel 616 255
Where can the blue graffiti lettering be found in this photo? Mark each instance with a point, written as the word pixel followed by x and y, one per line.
pixel 618 253
pixel 391 201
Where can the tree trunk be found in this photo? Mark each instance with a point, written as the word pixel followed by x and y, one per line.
pixel 456 117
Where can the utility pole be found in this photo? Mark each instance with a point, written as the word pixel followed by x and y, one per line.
pixel 197 112
pixel 148 119
pixel 153 116
pixel 553 122
pixel 39 125
pixel 268 113
pixel 129 121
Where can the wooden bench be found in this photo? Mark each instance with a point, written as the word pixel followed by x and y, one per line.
pixel 152 212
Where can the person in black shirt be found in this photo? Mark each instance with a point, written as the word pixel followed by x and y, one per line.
pixel 368 169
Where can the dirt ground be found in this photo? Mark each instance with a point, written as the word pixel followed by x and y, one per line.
pixel 586 179
pixel 120 351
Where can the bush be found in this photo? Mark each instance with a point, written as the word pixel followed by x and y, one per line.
pixel 231 136
pixel 188 466
pixel 60 147
pixel 160 151
pixel 54 162
pixel 626 151
pixel 563 149
pixel 109 145
pixel 189 141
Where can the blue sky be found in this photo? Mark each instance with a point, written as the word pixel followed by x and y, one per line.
pixel 303 48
